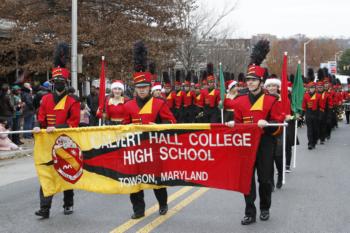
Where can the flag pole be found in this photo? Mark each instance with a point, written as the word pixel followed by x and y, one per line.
pixel 284 155
pixel 222 115
pixel 295 144
pixel 284 79
pixel 222 92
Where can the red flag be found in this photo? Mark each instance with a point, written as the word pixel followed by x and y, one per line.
pixel 102 94
pixel 284 86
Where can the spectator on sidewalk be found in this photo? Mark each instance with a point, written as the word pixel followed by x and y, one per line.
pixel 5 143
pixel 6 107
pixel 44 89
pixel 92 103
pixel 28 109
pixel 16 121
pixel 84 113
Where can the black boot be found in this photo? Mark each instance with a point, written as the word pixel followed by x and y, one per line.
pixel 44 213
pixel 137 215
pixel 247 220
pixel 264 215
pixel 67 210
pixel 163 210
pixel 279 181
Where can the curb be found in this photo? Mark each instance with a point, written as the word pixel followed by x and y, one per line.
pixel 15 154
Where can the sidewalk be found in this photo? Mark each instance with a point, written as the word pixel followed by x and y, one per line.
pixel 27 150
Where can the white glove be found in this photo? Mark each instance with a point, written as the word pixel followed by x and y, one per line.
pixel 289 117
pixel 230 124
pixel 262 123
pixel 50 129
pixel 36 130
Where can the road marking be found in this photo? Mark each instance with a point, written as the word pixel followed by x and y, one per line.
pixel 130 223
pixel 161 219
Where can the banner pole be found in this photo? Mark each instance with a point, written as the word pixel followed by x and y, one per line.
pixel 295 144
pixel 277 124
pixel 17 132
pixel 284 156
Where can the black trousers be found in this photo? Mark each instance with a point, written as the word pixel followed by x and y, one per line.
pixel 329 123
pixel 264 168
pixel 15 127
pixel 188 114
pixel 278 158
pixel 212 115
pixel 322 126
pixel 347 114
pixel 312 124
pixel 178 114
pixel 138 201
pixel 45 202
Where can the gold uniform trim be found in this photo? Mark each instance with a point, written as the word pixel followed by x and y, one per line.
pixel 258 105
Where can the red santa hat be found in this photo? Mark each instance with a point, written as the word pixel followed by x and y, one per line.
pixel 230 84
pixel 156 86
pixel 272 81
pixel 117 84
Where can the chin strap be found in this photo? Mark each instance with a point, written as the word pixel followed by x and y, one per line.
pixel 257 87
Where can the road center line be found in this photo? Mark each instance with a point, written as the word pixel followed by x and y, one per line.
pixel 161 219
pixel 130 223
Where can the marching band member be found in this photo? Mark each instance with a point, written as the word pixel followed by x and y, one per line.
pixel 58 110
pixel 145 109
pixel 259 108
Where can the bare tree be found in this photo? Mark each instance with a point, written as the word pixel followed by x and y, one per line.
pixel 200 25
pixel 106 27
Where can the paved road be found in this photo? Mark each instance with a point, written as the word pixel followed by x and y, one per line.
pixel 316 198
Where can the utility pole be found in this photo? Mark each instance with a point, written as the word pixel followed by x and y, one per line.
pixel 74 59
pixel 305 55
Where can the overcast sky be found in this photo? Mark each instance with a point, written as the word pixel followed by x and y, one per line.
pixel 284 18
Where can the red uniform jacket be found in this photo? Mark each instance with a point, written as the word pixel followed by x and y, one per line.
pixel 199 100
pixel 64 111
pixel 155 110
pixel 264 108
pixel 325 101
pixel 189 98
pixel 280 106
pixel 170 99
pixel 229 104
pixel 115 112
pixel 311 102
pixel 179 99
pixel 330 94
pixel 346 96
pixel 338 98
pixel 212 99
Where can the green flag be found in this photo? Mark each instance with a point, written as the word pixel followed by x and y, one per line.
pixel 222 87
pixel 298 92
